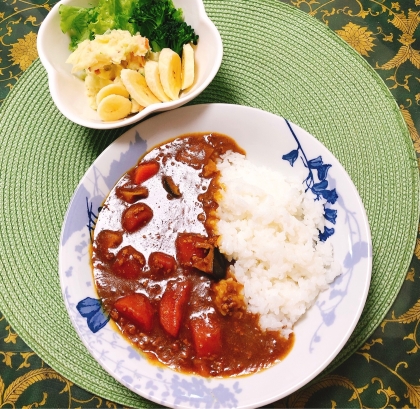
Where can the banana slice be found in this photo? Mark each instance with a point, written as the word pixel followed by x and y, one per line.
pixel 151 74
pixel 117 89
pixel 187 66
pixel 170 72
pixel 118 81
pixel 136 85
pixel 154 56
pixel 135 107
pixel 93 84
pixel 114 107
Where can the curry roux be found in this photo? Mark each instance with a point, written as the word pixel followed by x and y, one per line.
pixel 158 271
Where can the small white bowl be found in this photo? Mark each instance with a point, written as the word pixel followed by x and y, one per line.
pixel 68 92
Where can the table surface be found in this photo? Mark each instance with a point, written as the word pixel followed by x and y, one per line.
pixel 384 372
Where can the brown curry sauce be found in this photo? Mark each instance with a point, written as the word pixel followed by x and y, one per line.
pixel 159 273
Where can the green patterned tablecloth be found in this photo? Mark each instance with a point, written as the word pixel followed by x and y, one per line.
pixel 385 371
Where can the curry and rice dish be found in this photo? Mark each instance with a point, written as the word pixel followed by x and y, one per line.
pixel 174 265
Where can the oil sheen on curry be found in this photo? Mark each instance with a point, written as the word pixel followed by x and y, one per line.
pixel 160 274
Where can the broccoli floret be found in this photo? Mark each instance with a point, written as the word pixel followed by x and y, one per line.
pixel 149 17
pixel 175 34
pixel 163 25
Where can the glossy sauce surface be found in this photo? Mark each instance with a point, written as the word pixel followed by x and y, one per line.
pixel 158 271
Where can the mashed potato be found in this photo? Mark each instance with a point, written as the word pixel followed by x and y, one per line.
pixel 99 63
pixel 116 47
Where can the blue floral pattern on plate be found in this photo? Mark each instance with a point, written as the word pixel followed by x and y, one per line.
pixel 322 331
pixel 317 169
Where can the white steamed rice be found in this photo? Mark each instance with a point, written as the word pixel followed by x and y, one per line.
pixel 270 226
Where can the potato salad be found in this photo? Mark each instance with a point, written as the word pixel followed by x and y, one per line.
pixel 123 75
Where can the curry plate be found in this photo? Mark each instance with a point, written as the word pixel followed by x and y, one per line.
pixel 320 334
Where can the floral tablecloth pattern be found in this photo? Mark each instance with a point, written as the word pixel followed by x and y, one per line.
pixel 385 371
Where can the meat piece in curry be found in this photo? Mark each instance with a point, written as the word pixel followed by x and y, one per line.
pixel 160 274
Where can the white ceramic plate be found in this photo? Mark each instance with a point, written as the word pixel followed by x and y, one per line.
pixel 68 92
pixel 269 141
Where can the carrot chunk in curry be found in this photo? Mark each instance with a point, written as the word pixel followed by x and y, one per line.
pixel 172 306
pixel 137 309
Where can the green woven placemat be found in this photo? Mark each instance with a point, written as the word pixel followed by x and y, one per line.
pixel 276 58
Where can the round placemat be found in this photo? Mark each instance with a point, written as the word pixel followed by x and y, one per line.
pixel 276 58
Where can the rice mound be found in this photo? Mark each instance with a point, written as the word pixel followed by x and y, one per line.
pixel 269 225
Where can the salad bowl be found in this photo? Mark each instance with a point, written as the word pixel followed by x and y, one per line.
pixel 68 91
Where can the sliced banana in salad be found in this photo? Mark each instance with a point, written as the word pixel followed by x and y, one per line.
pixel 187 66
pixel 114 107
pixel 111 89
pixel 152 76
pixel 136 85
pixel 170 72
pixel 128 88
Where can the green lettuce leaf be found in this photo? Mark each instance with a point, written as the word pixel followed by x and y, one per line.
pixel 84 23
pixel 75 21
